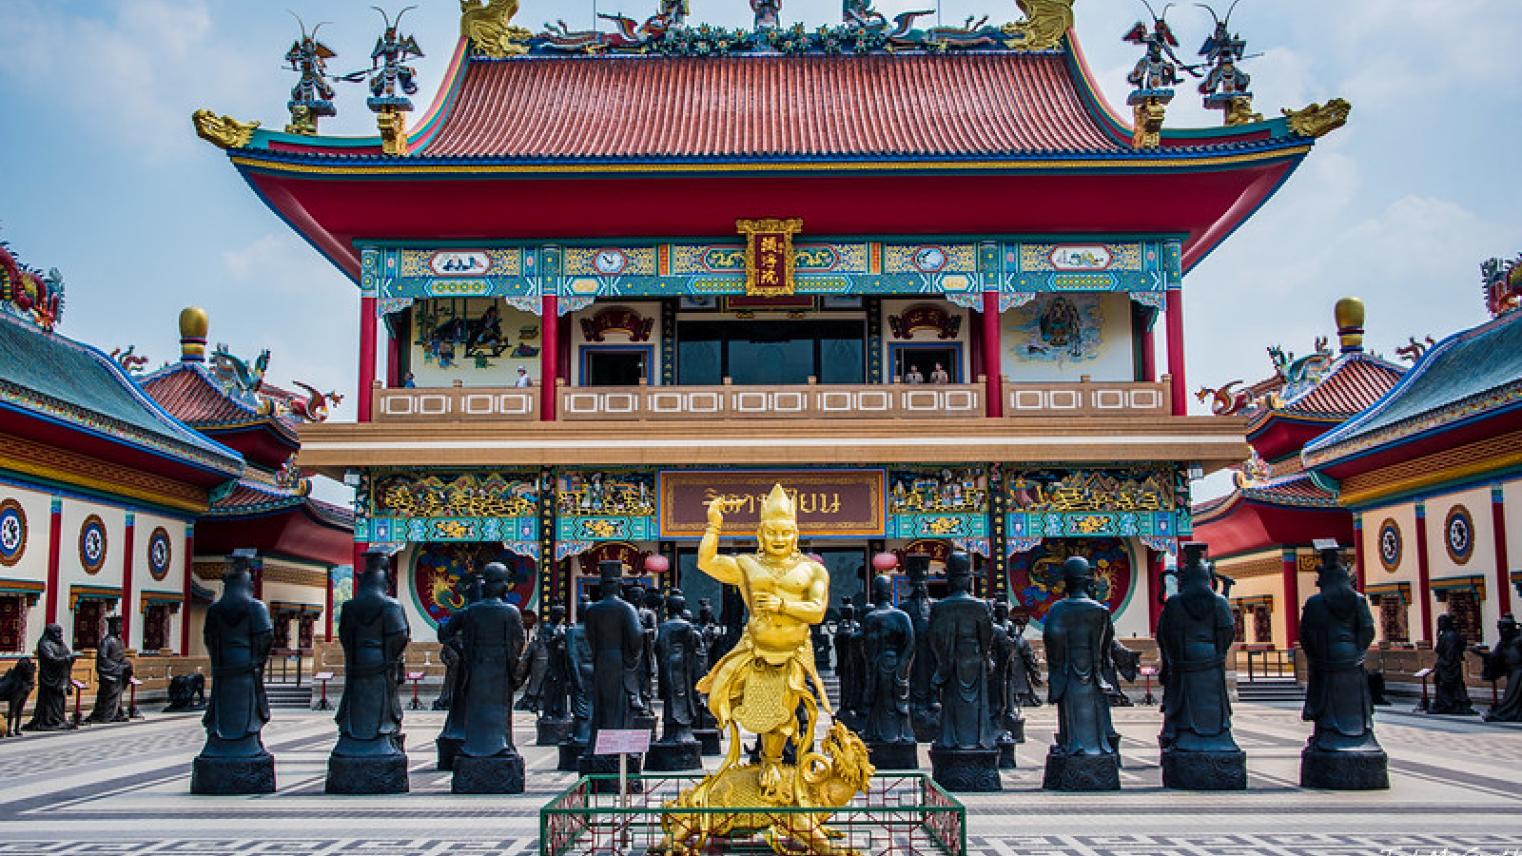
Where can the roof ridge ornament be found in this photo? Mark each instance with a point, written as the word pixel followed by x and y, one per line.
pixel 489 26
pixel 1154 77
pixel 1226 87
pixel 1318 120
pixel 223 131
pixel 1045 24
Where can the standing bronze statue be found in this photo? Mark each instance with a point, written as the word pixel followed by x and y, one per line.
pixel 492 635
pixel 1077 636
pixel 1336 628
pixel 55 663
pixel 368 758
pixel 1194 634
pixel 532 664
pixel 1026 671
pixel 649 625
pixel 710 634
pixel 849 665
pixel 1003 708
pixel 1451 695
pixel 678 653
pixel 468 587
pixel 578 657
pixel 886 649
pixel 1505 661
pixel 617 641
pixel 965 756
pixel 238 636
pixel 924 709
pixel 554 721
pixel 113 673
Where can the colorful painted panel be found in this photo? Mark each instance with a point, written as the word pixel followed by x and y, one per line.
pixel 13 532
pixel 1458 535
pixel 616 505
pixel 160 553
pixel 92 544
pixel 451 506
pixel 938 502
pixel 438 570
pixel 1035 575
pixel 1151 504
pixel 472 332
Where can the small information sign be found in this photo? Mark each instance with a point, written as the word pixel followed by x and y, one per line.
pixel 414 676
pixel 323 676
pixel 1421 673
pixel 622 742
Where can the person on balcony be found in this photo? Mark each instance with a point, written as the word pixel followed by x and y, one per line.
pixel 939 375
pixel 914 375
pixel 524 380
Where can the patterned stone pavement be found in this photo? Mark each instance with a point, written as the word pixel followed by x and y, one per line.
pixel 124 789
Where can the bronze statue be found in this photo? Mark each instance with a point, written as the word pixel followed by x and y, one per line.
pixel 617 641
pixel 1003 707
pixel 886 647
pixel 468 588
pixel 554 710
pixel 373 630
pixel 1194 634
pixel 1336 628
pixel 1505 661
pixel 649 624
pixel 678 649
pixel 238 636
pixel 849 665
pixel 55 662
pixel 578 666
pixel 1119 662
pixel 532 665
pixel 965 757
pixel 1451 696
pixel 710 636
pixel 15 686
pixel 1078 633
pixel 491 633
pixel 113 672
pixel 1026 668
pixel 924 709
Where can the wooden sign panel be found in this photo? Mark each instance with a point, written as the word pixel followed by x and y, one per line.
pixel 830 503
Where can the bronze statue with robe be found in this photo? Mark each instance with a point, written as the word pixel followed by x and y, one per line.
pixel 491 633
pixel 468 588
pixel 1078 633
pixel 1450 696
pixel 924 708
pixel 617 641
pixel 113 672
pixel 238 635
pixel 374 633
pixel 1505 661
pixel 55 663
pixel 961 632
pixel 1025 670
pixel 1002 705
pixel 849 665
pixel 578 655
pixel 533 663
pixel 886 648
pixel 677 649
pixel 553 704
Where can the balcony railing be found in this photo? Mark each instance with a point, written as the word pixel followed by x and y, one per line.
pixel 835 401
pixel 456 404
pixel 1087 398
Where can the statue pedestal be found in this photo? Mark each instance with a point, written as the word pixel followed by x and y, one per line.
pixel 673 757
pixel 1204 771
pixel 1007 752
pixel 607 765
pixel 570 756
pixel 646 720
pixel 1017 729
pixel 499 774
pixel 1081 772
pixel 551 732
pixel 894 756
pixel 966 770
pixel 1344 771
pixel 382 774
pixel 708 738
pixel 448 748
pixel 926 729
pixel 253 774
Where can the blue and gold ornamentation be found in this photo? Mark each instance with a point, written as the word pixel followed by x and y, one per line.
pixel 13 532
pixel 160 553
pixel 1458 535
pixel 92 544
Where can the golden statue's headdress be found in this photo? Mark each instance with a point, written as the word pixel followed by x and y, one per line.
pixel 778 507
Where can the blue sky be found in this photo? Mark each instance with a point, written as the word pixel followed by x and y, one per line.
pixel 103 177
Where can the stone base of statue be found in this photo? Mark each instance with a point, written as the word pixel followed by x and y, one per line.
pixel 894 756
pixel 966 770
pixel 498 774
pixel 570 756
pixel 926 728
pixel 382 774
pixel 448 748
pixel 1017 729
pixel 643 720
pixel 1365 770
pixel 253 774
pixel 708 738
pixel 1081 772
pixel 607 765
pixel 551 732
pixel 1007 752
pixel 1204 771
pixel 675 756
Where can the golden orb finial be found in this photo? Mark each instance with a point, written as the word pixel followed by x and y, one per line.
pixel 194 324
pixel 1350 314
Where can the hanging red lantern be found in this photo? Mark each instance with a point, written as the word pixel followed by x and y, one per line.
pixel 656 563
pixel 884 562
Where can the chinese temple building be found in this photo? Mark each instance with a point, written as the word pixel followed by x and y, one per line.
pixel 1433 475
pixel 100 486
pixel 916 275
pixel 300 540
pixel 1261 534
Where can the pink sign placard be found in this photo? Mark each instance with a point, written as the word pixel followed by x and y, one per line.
pixel 622 742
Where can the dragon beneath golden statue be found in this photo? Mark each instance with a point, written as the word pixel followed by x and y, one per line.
pixel 489 26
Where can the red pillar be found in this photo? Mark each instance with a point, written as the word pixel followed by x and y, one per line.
pixel 327 609
pixel 1175 334
pixel 1291 572
pixel 1149 355
pixel 190 565
pixel 366 357
pixel 1423 575
pixel 992 365
pixel 1358 569
pixel 55 540
pixel 1503 572
pixel 1155 589
pixel 393 361
pixel 549 357
pixel 127 581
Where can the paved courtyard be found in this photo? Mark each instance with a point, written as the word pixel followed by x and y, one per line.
pixel 124 789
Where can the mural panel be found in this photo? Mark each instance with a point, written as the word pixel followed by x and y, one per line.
pixel 938 502
pixel 1035 576
pixel 438 569
pixel 451 506
pixel 613 505
pixel 1151 504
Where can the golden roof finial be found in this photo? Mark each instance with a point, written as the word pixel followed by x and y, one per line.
pixel 1350 314
pixel 193 327
pixel 778 507
pixel 1318 120
pixel 224 131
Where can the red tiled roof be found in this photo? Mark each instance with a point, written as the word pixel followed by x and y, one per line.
pixel 1297 490
pixel 1351 385
pixel 759 107
pixel 252 497
pixel 195 398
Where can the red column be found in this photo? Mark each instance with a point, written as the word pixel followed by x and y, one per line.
pixel 55 540
pixel 127 602
pixel 1503 572
pixel 1175 334
pixel 393 361
pixel 992 366
pixel 1291 571
pixel 1423 575
pixel 366 357
pixel 1155 589
pixel 190 564
pixel 1358 570
pixel 327 609
pixel 1149 355
pixel 549 357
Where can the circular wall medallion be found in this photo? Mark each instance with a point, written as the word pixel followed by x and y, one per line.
pixel 1458 534
pixel 1389 545
pixel 12 532
pixel 92 544
pixel 160 553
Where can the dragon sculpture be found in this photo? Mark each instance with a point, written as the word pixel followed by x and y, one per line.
pixel 1046 22
pixel 1414 350
pixel 314 408
pixel 1503 284
pixel 230 367
pixel 1226 400
pixel 827 779
pixel 1307 369
pixel 489 26
pixel 130 362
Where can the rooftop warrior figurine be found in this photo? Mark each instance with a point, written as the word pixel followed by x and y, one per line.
pixel 1336 628
pixel 388 66
pixel 492 635
pixel 965 756
pixel 312 96
pixel 1078 633
pixel 238 636
pixel 373 630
